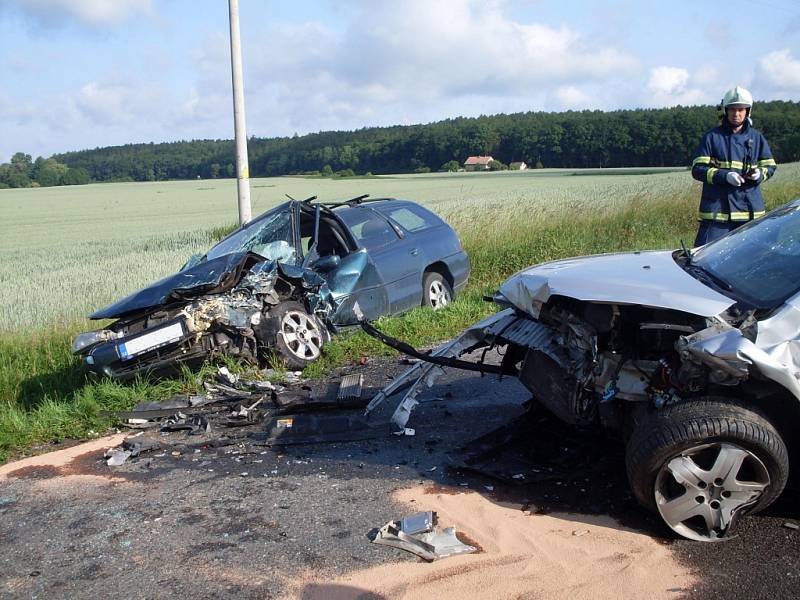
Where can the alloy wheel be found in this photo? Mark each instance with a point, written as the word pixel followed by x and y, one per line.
pixel 302 335
pixel 439 294
pixel 702 490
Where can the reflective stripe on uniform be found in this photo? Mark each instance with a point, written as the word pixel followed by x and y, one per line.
pixel 725 217
pixel 764 173
pixel 723 164
pixel 711 216
pixel 710 174
pixel 767 162
pixel 745 216
pixel 730 164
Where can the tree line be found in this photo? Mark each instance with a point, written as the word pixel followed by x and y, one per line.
pixel 572 139
pixel 23 171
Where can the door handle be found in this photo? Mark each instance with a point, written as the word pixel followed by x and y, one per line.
pixel 414 251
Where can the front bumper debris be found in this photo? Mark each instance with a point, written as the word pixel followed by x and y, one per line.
pixel 420 535
pixel 424 374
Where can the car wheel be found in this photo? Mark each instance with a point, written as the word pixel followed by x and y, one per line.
pixel 299 337
pixel 704 463
pixel 437 292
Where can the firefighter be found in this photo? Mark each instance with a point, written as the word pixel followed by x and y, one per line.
pixel 732 161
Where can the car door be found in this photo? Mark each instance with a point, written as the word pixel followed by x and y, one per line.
pixel 355 283
pixel 397 259
pixel 433 240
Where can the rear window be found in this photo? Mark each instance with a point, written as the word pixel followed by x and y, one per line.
pixel 411 218
pixel 369 228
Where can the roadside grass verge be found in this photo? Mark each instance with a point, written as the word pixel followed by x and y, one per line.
pixel 44 394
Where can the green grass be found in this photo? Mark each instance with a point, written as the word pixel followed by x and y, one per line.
pixel 505 226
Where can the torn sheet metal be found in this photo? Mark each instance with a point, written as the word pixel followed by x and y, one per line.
pixel 420 535
pixel 424 374
pixel 222 304
pixel 117 456
pixel 211 276
pixel 130 448
pixel 730 355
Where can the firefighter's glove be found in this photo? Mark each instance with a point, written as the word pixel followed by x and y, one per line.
pixel 754 175
pixel 734 179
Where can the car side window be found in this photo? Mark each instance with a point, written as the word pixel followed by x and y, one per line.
pixel 371 230
pixel 411 219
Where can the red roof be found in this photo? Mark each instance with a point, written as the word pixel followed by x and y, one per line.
pixel 478 160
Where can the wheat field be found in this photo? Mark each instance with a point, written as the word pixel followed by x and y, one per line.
pixel 68 251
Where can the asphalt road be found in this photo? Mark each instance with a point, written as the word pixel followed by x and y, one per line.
pixel 219 516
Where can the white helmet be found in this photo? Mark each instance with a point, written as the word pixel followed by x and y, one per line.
pixel 737 96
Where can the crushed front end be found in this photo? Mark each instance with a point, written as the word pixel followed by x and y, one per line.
pixel 234 318
pixel 702 390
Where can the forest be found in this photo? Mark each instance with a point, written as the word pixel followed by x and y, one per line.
pixel 572 139
pixel 24 172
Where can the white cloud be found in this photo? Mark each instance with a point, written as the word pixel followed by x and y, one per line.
pixel 777 75
pixel 670 86
pixel 466 46
pixel 88 12
pixel 418 61
pixel 570 96
pixel 668 80
pixel 112 103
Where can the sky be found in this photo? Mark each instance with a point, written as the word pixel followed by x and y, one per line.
pixel 81 74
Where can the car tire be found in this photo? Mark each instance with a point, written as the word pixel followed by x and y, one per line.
pixel 436 291
pixel 704 463
pixel 298 336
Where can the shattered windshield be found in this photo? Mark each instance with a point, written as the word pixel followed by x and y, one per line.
pixel 269 236
pixel 760 261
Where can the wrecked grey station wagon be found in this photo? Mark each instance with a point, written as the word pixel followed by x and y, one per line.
pixel 691 356
pixel 280 284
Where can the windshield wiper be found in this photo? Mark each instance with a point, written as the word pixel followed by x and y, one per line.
pixel 686 253
pixel 714 278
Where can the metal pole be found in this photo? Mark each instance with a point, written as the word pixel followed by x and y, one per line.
pixel 242 167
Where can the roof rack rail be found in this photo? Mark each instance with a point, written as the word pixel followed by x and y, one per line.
pixel 307 200
pixel 354 201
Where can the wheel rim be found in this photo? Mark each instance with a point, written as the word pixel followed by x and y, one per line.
pixel 701 491
pixel 439 294
pixel 302 335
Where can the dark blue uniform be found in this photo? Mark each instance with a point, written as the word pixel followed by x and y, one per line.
pixel 724 207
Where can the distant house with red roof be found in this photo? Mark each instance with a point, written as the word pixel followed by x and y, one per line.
pixel 477 163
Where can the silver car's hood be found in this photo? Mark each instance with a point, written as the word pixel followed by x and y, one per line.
pixel 646 278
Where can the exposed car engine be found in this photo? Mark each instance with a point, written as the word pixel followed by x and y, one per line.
pixel 601 352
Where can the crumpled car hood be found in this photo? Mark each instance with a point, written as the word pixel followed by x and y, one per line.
pixel 646 278
pixel 212 276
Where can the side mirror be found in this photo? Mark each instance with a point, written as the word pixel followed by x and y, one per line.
pixel 327 263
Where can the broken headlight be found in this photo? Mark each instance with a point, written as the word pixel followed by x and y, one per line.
pixel 90 338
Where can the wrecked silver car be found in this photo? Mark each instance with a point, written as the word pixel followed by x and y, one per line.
pixel 280 284
pixel 691 356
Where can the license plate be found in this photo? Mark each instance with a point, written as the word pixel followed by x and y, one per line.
pixel 150 341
